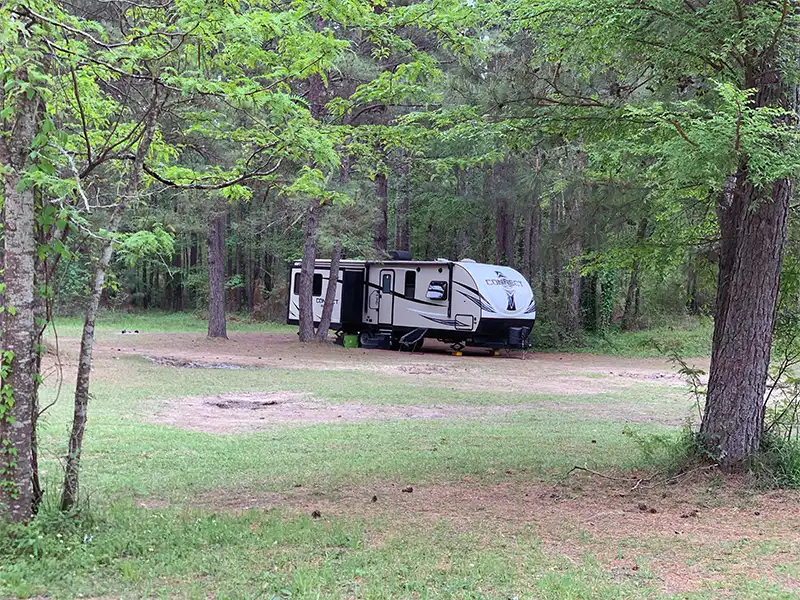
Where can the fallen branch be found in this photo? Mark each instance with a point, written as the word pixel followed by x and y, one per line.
pixel 603 475
pixel 643 482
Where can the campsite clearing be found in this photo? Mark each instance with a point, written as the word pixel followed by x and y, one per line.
pixel 260 468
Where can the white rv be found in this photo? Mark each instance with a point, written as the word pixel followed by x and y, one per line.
pixel 397 303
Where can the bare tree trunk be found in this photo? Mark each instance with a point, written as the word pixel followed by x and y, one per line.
pixel 527 237
pixel 572 323
pixel 402 230
pixel 753 229
pixel 536 231
pixel 500 226
pixel 330 293
pixel 20 358
pixel 630 316
pixel 306 282
pixel 217 326
pixel 18 403
pixel 692 302
pixel 555 254
pixel 70 489
pixel 509 235
pixel 753 223
pixel 382 230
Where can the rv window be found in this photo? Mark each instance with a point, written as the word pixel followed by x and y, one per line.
pixel 411 284
pixel 316 286
pixel 386 283
pixel 437 290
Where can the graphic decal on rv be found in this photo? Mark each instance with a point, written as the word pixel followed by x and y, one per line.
pixel 512 306
pixel 503 288
pixel 442 321
pixel 531 308
pixel 448 322
pixel 478 302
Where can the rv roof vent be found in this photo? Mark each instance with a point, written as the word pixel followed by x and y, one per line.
pixel 400 255
pixel 442 260
pixel 469 260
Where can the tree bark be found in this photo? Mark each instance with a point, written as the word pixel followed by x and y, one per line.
pixel 382 230
pixel 753 223
pixel 509 235
pixel 753 228
pixel 555 254
pixel 306 282
pixel 18 404
pixel 572 323
pixel 402 230
pixel 536 231
pixel 500 226
pixel 70 488
pixel 217 326
pixel 631 313
pixel 527 236
pixel 330 293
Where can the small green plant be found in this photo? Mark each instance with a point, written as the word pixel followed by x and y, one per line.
pixel 667 453
pixel 778 463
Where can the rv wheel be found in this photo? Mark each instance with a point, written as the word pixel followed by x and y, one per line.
pixel 364 339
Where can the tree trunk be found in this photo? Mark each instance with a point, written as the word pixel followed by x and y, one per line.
pixel 630 316
pixel 70 489
pixel 527 236
pixel 499 230
pixel 536 230
pixel 753 231
pixel 306 282
pixel 330 293
pixel 692 302
pixel 753 228
pixel 555 255
pixel 402 230
pixel 217 327
pixel 382 230
pixel 572 323
pixel 509 235
pixel 18 399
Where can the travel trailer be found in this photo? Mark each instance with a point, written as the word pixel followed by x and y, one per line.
pixel 399 302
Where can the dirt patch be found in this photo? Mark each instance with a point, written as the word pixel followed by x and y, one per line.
pixel 686 534
pixel 238 413
pixel 255 411
pixel 171 361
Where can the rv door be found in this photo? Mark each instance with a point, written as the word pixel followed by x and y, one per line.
pixel 386 306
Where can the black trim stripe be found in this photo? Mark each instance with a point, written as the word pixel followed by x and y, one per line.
pixel 531 308
pixel 479 303
pixel 473 290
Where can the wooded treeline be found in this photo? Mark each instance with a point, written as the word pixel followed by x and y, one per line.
pixel 493 214
pixel 629 159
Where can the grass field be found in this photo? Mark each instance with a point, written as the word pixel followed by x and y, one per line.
pixel 316 509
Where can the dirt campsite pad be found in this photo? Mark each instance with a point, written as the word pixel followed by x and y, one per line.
pixel 514 372
pixel 237 413
pixel 257 411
